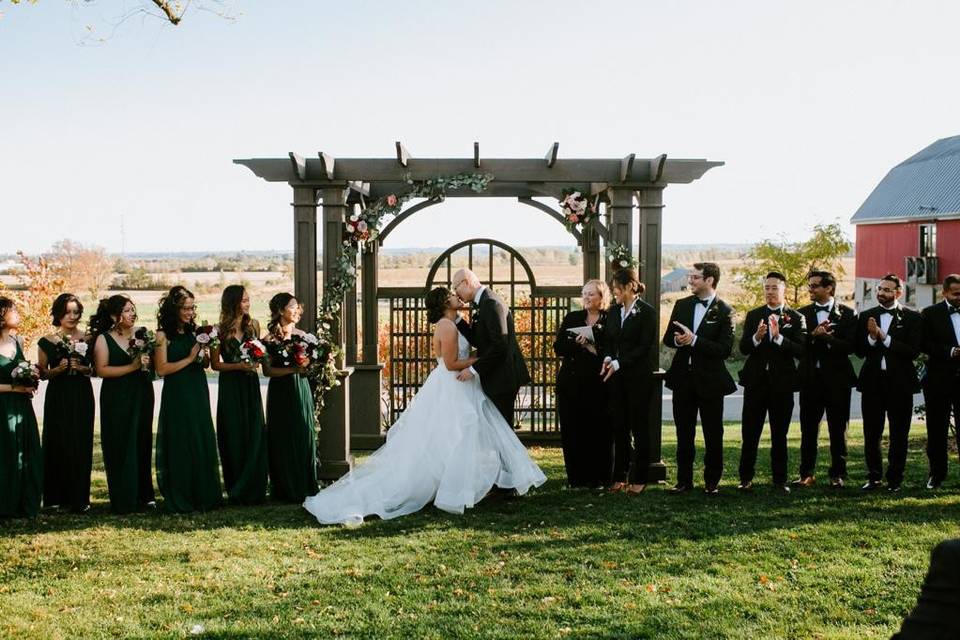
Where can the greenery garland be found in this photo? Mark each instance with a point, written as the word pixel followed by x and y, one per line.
pixel 358 230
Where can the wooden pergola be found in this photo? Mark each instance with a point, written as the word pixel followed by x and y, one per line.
pixel 334 187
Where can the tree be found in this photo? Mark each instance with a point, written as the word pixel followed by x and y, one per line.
pixel 82 268
pixel 823 250
pixel 41 284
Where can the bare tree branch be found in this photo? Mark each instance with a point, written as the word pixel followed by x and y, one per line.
pixel 169 11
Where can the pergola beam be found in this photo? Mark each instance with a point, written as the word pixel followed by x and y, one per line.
pixel 476 155
pixel 326 164
pixel 551 156
pixel 656 167
pixel 626 166
pixel 580 171
pixel 403 156
pixel 299 164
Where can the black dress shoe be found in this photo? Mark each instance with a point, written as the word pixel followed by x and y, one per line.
pixel 872 485
pixel 711 490
pixel 931 484
pixel 781 487
pixel 680 488
pixel 836 483
pixel 745 486
pixel 893 488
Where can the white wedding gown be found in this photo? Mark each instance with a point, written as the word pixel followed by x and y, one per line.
pixel 451 446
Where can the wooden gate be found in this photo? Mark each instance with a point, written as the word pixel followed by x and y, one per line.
pixel 537 312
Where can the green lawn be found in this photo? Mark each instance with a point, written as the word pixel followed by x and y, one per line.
pixel 554 564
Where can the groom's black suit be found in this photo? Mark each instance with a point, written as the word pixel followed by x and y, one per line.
pixel 500 364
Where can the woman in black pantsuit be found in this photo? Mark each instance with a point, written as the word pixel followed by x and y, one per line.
pixel 627 370
pixel 581 395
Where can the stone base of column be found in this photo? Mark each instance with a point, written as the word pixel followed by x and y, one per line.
pixel 365 387
pixel 333 449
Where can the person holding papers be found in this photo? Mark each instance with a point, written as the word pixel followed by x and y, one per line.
pixel 581 395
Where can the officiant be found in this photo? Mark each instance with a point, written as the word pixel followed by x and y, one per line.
pixel 581 395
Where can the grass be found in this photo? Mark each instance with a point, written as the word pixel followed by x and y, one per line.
pixel 555 564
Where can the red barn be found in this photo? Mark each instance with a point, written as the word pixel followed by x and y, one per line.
pixel 910 225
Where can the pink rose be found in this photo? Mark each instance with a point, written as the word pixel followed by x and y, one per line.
pixel 391 200
pixel 572 217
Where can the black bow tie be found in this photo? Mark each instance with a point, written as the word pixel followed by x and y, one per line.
pixel 887 311
pixel 953 309
pixel 705 303
pixel 822 307
pixel 775 312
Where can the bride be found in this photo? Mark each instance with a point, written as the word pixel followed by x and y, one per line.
pixel 451 445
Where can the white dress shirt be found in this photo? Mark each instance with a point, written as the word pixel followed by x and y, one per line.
pixel 955 319
pixel 885 320
pixel 624 313
pixel 476 303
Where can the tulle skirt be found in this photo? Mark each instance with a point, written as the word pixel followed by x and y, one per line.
pixel 450 446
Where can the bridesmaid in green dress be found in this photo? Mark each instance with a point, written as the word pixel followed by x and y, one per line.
pixel 67 409
pixel 21 462
pixel 126 405
pixel 291 434
pixel 241 433
pixel 187 469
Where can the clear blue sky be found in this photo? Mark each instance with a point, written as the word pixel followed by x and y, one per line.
pixel 808 104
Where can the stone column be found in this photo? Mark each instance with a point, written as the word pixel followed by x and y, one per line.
pixel 592 258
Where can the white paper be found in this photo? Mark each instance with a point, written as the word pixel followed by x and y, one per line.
pixel 586 332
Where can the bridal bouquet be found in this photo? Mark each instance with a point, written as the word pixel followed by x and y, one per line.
pixel 26 375
pixel 577 210
pixel 208 336
pixel 253 351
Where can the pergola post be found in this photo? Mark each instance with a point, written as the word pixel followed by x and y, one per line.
pixel 591 253
pixel 366 379
pixel 619 222
pixel 305 254
pixel 333 447
pixel 649 242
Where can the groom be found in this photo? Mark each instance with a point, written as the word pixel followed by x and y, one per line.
pixel 500 364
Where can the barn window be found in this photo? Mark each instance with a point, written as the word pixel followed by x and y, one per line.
pixel 928 240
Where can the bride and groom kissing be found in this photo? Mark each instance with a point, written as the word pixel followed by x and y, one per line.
pixel 454 443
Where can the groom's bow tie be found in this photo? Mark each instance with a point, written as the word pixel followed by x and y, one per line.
pixel 822 307
pixel 705 303
pixel 953 309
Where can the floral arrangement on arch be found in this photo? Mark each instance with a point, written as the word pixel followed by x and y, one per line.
pixel 620 257
pixel 577 209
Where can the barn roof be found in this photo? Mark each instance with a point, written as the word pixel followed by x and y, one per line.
pixel 924 186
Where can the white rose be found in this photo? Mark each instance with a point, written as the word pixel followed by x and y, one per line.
pixel 203 338
pixel 80 348
pixel 310 338
pixel 350 228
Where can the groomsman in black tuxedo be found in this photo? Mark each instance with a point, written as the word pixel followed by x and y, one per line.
pixel 826 378
pixel 701 331
pixel 773 337
pixel 941 384
pixel 889 338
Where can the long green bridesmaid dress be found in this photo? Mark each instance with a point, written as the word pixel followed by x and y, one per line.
pixel 21 462
pixel 241 433
pixel 126 433
pixel 187 469
pixel 67 436
pixel 291 439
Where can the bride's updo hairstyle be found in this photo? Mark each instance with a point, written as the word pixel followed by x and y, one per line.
pixel 437 304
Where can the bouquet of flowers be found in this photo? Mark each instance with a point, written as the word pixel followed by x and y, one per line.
pixel 577 209
pixel 25 374
pixel 300 351
pixel 74 349
pixel 208 336
pixel 143 342
pixel 620 257
pixel 253 351
pixel 359 228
